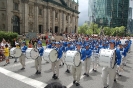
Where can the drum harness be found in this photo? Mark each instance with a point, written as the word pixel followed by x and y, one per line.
pixel 115 61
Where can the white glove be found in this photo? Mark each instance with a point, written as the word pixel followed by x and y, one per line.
pixel 82 61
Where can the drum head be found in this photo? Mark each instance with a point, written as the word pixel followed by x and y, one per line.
pixel 77 59
pixel 34 53
pixel 18 52
pixel 53 55
pixel 12 52
pixel 15 52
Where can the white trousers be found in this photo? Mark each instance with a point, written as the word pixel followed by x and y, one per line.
pixel 55 67
pixel 38 62
pixel 22 60
pixel 76 71
pixel 87 64
pixel 108 72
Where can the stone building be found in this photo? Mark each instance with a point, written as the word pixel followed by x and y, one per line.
pixel 23 16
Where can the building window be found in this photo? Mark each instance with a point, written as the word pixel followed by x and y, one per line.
pixel 66 17
pixel 3 26
pixel 2 5
pixel 75 7
pixel 2 16
pixel 30 10
pixel 15 6
pixel 56 15
pixel 40 11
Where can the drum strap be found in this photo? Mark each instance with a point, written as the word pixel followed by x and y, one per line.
pixel 115 60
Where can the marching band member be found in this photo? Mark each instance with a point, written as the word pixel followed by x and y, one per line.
pixel 39 59
pixel 87 60
pixel 55 65
pixel 76 71
pixel 95 57
pixel 17 46
pixel 111 71
pixel 22 57
pixel 120 62
pixel 62 58
pixel 6 53
pixel 66 49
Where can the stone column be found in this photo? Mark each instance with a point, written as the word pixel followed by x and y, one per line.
pixel 77 24
pixel 53 23
pixel 69 29
pixel 73 23
pixel 26 18
pixel 36 18
pixel 60 22
pixel 64 21
pixel 48 19
pixel 44 19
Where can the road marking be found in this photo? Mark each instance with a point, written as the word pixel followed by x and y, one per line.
pixel 24 79
pixel 18 64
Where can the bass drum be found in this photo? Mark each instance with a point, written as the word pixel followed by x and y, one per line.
pixel 15 52
pixel 73 58
pixel 107 58
pixel 50 55
pixel 32 53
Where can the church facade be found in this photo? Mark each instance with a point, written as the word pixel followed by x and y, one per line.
pixel 39 16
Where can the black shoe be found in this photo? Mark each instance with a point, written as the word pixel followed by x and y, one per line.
pixel 67 71
pixel 77 84
pixel 36 72
pixel 87 75
pixel 8 63
pixel 74 81
pixel 106 86
pixel 5 64
pixel 22 68
pixel 15 61
pixel 54 76
pixel 47 62
pixel 59 65
pixel 63 63
pixel 84 74
pixel 115 80
pixel 39 72
pixel 94 70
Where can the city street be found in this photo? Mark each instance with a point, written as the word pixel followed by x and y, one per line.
pixel 12 77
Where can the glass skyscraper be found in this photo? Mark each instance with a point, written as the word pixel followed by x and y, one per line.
pixel 113 13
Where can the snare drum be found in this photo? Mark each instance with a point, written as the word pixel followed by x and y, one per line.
pixel 15 52
pixel 50 54
pixel 72 58
pixel 32 53
pixel 107 57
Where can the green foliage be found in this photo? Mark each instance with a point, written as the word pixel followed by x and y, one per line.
pixel 7 35
pixel 89 29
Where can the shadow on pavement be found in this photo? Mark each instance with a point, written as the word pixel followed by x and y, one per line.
pixel 87 78
pixel 74 86
pixel 48 71
pixel 34 76
pixel 118 85
pixel 123 78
